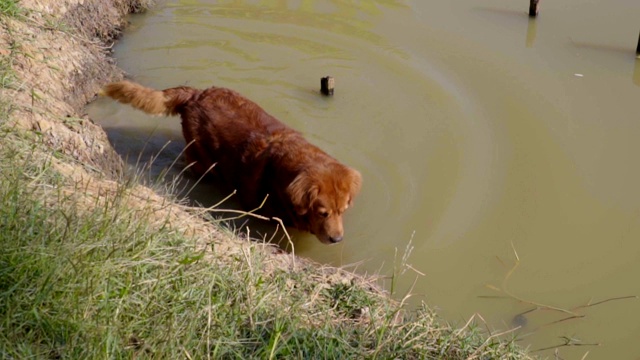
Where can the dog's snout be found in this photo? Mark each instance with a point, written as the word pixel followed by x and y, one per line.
pixel 335 239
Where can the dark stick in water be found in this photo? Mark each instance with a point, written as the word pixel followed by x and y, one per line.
pixel 327 84
pixel 533 8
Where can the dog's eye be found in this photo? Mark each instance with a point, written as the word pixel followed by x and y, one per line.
pixel 323 213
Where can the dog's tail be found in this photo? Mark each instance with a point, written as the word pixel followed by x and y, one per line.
pixel 151 101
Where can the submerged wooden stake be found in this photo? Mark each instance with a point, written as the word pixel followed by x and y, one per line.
pixel 533 8
pixel 327 84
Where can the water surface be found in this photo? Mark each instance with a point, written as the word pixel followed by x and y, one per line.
pixel 500 151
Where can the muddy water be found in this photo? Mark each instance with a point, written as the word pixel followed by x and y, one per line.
pixel 500 152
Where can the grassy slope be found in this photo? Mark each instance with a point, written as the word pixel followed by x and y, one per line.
pixel 98 283
pixel 99 279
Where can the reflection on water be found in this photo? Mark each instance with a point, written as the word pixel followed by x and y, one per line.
pixel 510 165
pixel 532 30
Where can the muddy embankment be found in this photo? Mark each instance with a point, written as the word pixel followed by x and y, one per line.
pixel 60 57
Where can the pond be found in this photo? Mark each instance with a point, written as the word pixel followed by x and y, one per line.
pixel 499 153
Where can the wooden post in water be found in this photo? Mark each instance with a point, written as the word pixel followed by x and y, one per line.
pixel 533 8
pixel 327 84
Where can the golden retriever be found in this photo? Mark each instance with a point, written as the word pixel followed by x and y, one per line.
pixel 255 154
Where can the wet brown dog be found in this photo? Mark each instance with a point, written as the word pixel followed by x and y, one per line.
pixel 255 154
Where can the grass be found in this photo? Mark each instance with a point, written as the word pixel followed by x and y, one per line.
pixel 10 8
pixel 78 283
pixel 8 76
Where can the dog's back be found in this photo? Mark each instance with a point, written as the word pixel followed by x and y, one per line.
pixel 220 126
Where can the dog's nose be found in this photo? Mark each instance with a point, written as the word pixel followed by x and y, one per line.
pixel 335 239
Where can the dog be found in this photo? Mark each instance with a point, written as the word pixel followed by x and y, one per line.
pixel 250 151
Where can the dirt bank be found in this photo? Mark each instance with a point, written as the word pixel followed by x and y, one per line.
pixel 60 59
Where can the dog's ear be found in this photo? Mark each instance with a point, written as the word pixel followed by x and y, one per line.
pixel 302 192
pixel 355 183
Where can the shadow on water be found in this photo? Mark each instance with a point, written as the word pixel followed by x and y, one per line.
pixel 156 157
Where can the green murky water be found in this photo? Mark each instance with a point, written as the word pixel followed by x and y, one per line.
pixel 503 152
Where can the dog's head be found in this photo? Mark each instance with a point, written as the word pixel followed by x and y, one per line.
pixel 321 195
